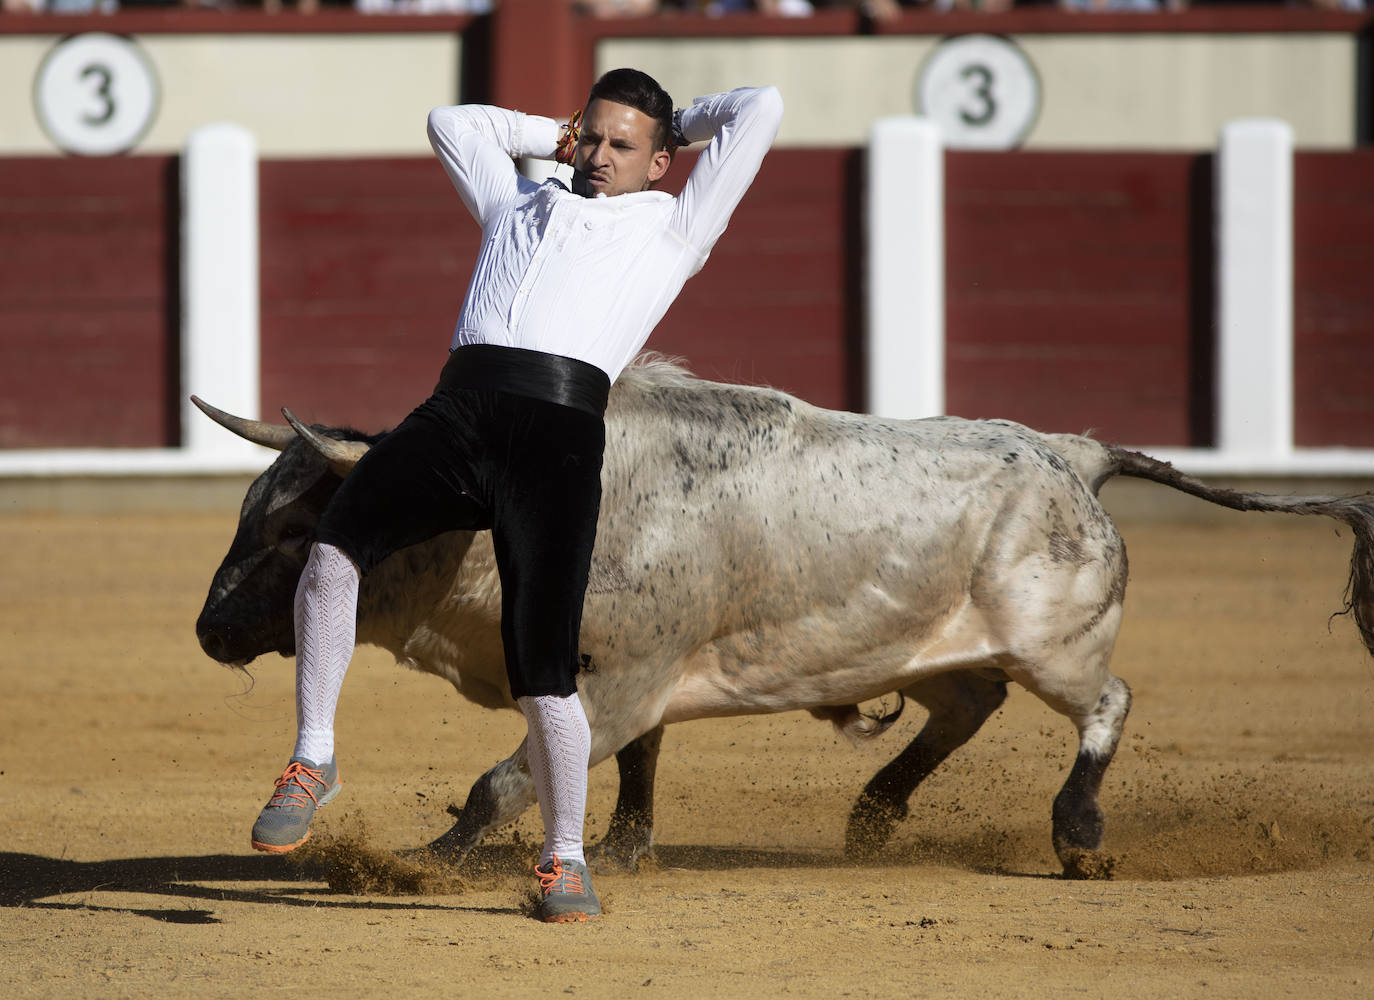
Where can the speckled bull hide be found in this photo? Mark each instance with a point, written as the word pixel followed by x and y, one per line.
pixel 757 554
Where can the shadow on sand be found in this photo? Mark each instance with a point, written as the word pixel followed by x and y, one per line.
pixel 31 880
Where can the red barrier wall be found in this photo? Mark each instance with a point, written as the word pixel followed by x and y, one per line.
pixel 88 286
pixel 779 302
pixel 1078 291
pixel 1333 307
pixel 364 266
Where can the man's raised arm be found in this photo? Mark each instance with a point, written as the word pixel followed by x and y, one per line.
pixel 476 143
pixel 741 126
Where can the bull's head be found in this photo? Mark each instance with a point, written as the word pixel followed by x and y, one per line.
pixel 249 608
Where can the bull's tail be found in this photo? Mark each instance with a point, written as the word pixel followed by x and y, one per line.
pixel 1355 511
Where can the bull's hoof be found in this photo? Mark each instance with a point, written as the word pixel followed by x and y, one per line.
pixel 450 848
pixel 1081 863
pixel 870 827
pixel 623 853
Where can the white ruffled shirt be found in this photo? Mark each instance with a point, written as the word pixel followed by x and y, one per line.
pixel 589 278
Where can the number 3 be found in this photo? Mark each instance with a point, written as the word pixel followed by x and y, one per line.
pixel 95 94
pixel 983 89
pixel 102 92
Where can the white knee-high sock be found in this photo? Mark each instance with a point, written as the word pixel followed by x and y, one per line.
pixel 559 748
pixel 326 620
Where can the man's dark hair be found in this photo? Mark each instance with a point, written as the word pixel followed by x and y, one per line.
pixel 641 92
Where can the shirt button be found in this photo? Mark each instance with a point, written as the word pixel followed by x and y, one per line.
pixel 587 224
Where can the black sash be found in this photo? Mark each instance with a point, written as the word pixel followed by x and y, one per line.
pixel 521 372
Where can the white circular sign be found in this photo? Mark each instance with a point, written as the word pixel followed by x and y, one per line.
pixel 981 90
pixel 96 94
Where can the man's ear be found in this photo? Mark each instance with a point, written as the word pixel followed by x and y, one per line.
pixel 659 164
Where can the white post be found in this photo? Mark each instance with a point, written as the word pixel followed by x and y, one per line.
pixel 219 284
pixel 1255 288
pixel 906 268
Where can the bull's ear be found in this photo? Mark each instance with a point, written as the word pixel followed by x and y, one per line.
pixel 341 455
pixel 274 436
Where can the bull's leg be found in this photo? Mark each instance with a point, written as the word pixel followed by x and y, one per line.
pixel 1078 819
pixel 630 835
pixel 497 798
pixel 958 703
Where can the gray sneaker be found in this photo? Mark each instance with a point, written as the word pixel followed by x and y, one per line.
pixel 568 895
pixel 284 823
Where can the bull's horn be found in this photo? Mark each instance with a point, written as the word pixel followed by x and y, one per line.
pixel 342 455
pixel 274 436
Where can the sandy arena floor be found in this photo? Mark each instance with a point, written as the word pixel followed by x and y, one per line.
pixel 1241 806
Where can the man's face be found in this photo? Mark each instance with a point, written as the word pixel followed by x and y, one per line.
pixel 616 151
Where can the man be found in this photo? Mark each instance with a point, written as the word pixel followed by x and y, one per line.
pixel 566 289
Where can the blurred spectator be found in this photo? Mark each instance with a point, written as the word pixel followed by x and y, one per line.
pixel 81 6
pixel 771 8
pixel 785 8
pixel 60 6
pixel 1122 6
pixel 616 8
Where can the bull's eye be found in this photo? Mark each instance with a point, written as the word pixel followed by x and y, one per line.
pixel 292 540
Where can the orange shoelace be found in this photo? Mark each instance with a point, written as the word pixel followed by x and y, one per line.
pixel 301 776
pixel 558 879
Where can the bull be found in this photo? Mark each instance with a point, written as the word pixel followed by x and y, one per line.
pixel 756 554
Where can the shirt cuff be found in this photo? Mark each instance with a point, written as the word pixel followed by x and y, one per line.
pixel 695 124
pixel 537 137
